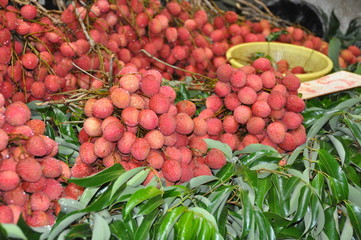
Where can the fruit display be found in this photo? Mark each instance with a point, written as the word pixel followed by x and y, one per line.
pixel 119 65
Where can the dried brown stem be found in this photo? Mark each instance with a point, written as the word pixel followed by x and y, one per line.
pixel 83 27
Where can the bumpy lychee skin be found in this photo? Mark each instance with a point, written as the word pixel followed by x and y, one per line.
pixel 172 170
pixel 4 139
pixel 255 125
pixel 187 107
pixel 172 153
pixel 200 126
pixel 238 79
pixel 53 189
pixel 130 116
pixel 9 180
pixel 262 64
pixel 214 126
pixel 148 119
pixel 224 72
pixel 102 108
pixel 36 146
pixel 113 131
pixel 276 132
pixel 16 196
pixel 215 159
pixel 291 82
pixel 202 170
pixel 187 172
pixel 184 123
pixel 103 148
pixel 242 114
pixel 261 109
pixel 159 103
pixel 29 169
pixel 39 201
pixel 249 139
pixel 125 143
pixel 268 79
pixel 292 120
pixel 86 153
pixel 120 98
pixel 247 95
pixel 214 102
pixel 198 146
pixel 295 104
pixel 155 159
pixel 31 187
pixel 140 149
pixel 167 124
pixel 6 214
pixel 254 82
pixel 17 114
pixel 299 135
pixel 36 125
pixel 231 101
pixel 230 124
pixel 155 139
pixel 288 144
pixel 222 89
pixel 276 100
pixel 51 167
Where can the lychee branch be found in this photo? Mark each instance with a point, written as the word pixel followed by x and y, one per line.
pixel 90 40
pixel 175 67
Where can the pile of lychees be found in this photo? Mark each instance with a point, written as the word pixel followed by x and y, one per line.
pixel 31 177
pixel 139 124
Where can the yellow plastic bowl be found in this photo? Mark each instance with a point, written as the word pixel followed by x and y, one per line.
pixel 315 63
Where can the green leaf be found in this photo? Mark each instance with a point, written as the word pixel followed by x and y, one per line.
pixel 336 176
pixel 291 183
pixel 354 213
pixel 354 195
pixel 151 205
pixel 254 148
pixel 64 222
pixel 263 186
pixel 206 232
pixel 318 183
pixel 138 178
pixel 140 196
pixel 355 129
pixel 218 198
pixel 185 226
pixel 225 148
pixel 167 222
pixel 330 225
pixel 334 48
pixel 100 178
pixel 201 212
pixel 339 148
pixel 143 230
pixel 79 231
pixel 122 179
pixel 265 229
pixel 13 231
pixel 200 180
pixel 247 214
pixel 100 228
pixel 290 233
pixel 26 229
pixel 224 174
pixel 347 231
pixel 121 230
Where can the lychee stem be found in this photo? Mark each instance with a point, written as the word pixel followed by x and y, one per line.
pixel 178 68
pixel 90 40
